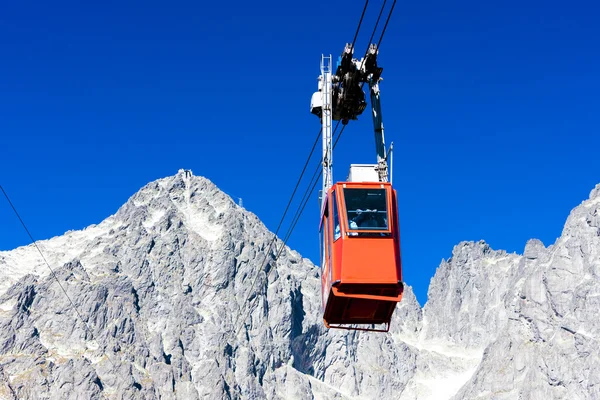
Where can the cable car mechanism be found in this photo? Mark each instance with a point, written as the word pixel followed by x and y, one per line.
pixel 361 268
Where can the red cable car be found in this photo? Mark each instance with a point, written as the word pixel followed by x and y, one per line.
pixel 361 273
pixel 361 267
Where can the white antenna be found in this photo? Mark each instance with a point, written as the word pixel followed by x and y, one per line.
pixel 326 125
pixel 240 202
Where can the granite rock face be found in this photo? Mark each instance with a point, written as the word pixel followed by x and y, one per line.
pixel 178 296
pixel 164 287
pixel 547 345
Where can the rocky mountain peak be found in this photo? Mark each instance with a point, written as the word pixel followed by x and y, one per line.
pixel 180 296
pixel 534 248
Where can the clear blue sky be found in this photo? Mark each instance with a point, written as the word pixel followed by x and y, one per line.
pixel 492 107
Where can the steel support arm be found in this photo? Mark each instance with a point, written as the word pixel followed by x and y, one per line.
pixel 382 165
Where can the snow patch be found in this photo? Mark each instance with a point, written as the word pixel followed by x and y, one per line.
pixel 591 202
pixel 428 387
pixel 494 261
pixel 57 251
pixel 153 218
pixel 47 339
pixel 8 305
pixel 195 219
pixel 442 347
pixel 440 381
pixel 586 334
pixel 199 224
pixel 92 345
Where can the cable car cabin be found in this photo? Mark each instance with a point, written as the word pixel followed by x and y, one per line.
pixel 361 271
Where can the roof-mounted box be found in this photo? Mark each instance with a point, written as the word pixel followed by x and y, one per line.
pixel 363 173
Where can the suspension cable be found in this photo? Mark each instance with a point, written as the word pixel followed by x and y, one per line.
pixel 309 193
pixel 382 33
pixel 312 184
pixel 305 201
pixel 386 24
pixel 263 262
pixel 360 23
pixel 375 28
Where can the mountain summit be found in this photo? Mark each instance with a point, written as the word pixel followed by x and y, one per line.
pixel 166 309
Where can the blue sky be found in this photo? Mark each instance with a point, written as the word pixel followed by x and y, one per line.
pixel 492 108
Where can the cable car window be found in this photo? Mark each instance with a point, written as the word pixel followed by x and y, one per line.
pixel 366 208
pixel 336 218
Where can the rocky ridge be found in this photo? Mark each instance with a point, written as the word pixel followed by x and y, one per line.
pixel 162 284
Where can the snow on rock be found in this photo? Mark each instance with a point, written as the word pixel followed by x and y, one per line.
pixel 554 295
pixel 82 244
pixel 466 295
pixel 162 287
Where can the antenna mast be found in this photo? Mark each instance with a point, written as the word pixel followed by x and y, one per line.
pixel 326 117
